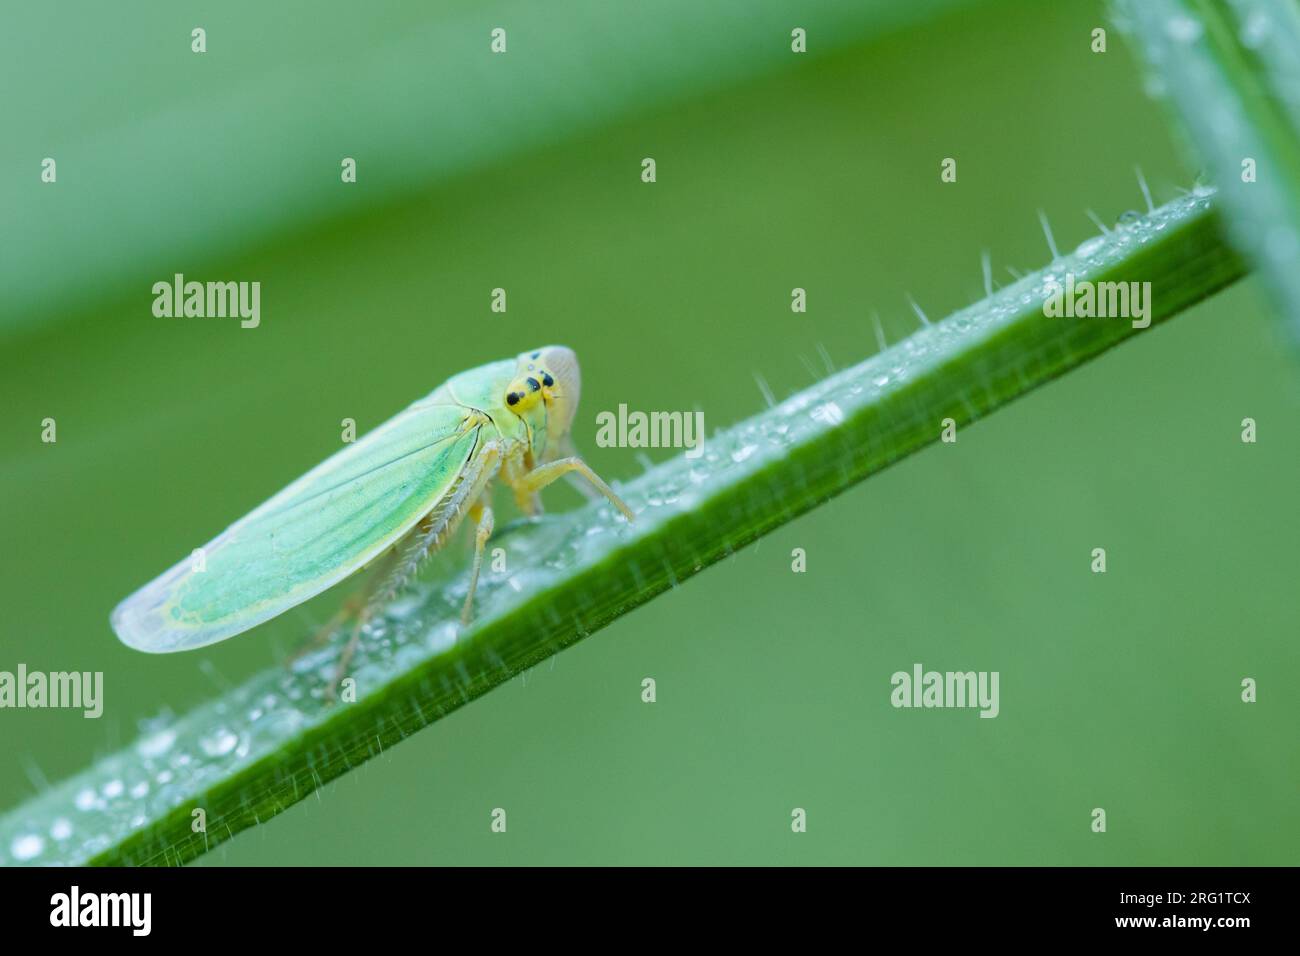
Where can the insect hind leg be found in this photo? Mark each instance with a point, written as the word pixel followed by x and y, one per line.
pixel 349 609
pixel 402 562
pixel 484 520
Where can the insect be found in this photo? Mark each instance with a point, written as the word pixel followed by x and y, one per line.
pixel 384 503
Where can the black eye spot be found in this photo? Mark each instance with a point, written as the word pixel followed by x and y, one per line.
pixel 533 384
pixel 547 380
pixel 535 354
pixel 512 398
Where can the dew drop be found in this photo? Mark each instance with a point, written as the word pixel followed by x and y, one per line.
pixel 1090 246
pixel 219 743
pixel 26 847
pixel 1255 30
pixel 85 799
pixel 1183 29
pixel 155 745
pixel 829 414
pixel 61 828
pixel 113 789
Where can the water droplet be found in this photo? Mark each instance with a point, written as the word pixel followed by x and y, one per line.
pixel 113 789
pixel 1128 219
pixel 140 789
pixel 1090 246
pixel 1255 30
pixel 155 745
pixel 85 799
pixel 1183 29
pixel 61 828
pixel 26 847
pixel 829 414
pixel 742 453
pixel 219 743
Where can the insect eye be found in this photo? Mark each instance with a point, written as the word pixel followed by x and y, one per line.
pixel 533 384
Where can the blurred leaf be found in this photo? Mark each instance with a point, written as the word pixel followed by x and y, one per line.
pixel 243 144
pixel 1232 70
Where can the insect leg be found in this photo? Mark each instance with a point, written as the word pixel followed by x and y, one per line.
pixel 512 469
pixel 341 669
pixel 353 607
pixel 349 607
pixel 481 515
pixel 543 475
pixel 428 536
pixel 566 448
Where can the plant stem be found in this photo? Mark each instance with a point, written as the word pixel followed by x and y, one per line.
pixel 273 739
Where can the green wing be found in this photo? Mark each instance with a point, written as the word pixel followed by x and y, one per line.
pixel 326 525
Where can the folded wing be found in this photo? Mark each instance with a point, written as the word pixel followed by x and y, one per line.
pixel 319 530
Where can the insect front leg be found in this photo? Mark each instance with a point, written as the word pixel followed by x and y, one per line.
pixel 514 468
pixel 541 476
pixel 565 448
pixel 484 520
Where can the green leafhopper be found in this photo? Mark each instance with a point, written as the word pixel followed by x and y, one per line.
pixel 384 502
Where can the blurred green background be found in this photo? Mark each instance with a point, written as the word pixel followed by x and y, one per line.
pixel 774 171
